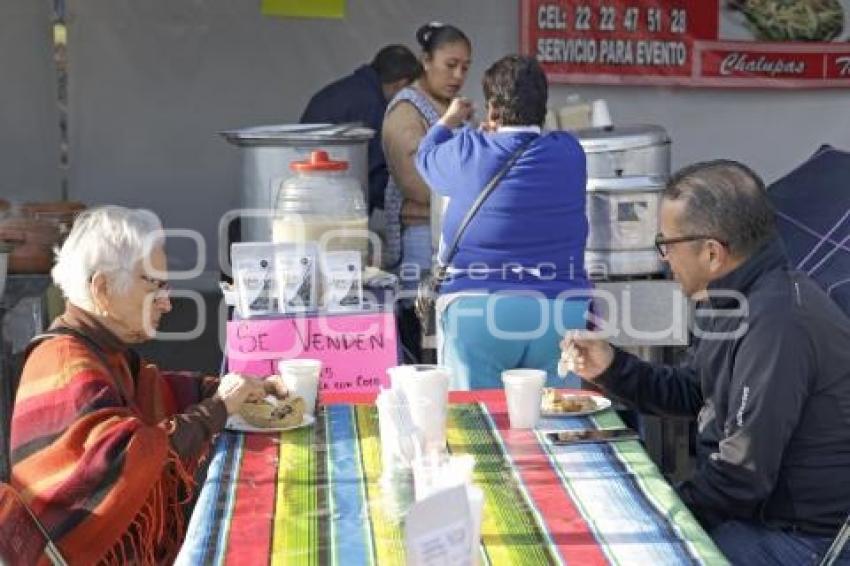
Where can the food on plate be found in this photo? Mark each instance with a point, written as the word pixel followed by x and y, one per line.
pixel 554 402
pixel 792 20
pixel 276 413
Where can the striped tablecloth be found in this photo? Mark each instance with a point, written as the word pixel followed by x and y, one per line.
pixel 312 495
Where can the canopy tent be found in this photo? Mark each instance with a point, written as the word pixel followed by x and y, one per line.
pixel 813 206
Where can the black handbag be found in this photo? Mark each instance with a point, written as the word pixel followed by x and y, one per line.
pixel 429 286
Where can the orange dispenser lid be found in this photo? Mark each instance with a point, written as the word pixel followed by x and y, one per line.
pixel 319 161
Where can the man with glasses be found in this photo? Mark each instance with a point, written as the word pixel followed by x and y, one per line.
pixel 767 374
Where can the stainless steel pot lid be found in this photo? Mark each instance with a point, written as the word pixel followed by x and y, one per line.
pixel 298 134
pixel 621 138
pixel 646 184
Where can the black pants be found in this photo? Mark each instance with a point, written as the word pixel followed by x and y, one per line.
pixel 410 336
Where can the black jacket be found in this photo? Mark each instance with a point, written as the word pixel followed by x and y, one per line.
pixel 772 400
pixel 356 98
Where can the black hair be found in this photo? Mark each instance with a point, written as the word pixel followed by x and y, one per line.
pixel 396 62
pixel 517 89
pixel 434 35
pixel 726 200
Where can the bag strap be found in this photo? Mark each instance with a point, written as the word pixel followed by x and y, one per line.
pixel 479 201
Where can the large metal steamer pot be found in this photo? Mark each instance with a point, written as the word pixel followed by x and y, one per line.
pixel 623 217
pixel 267 151
pixel 627 169
pixel 625 151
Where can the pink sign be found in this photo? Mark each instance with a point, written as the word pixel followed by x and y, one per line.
pixel 355 349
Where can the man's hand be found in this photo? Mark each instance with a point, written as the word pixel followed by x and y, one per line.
pixel 460 110
pixel 235 389
pixel 587 357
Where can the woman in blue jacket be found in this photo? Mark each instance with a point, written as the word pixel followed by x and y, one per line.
pixel 517 281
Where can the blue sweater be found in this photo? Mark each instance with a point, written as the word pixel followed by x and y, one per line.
pixel 534 219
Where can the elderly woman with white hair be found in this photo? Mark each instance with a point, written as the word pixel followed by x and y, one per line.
pixel 101 448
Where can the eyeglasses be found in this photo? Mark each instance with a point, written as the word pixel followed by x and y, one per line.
pixel 661 243
pixel 162 286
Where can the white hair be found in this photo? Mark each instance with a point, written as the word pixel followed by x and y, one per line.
pixel 110 240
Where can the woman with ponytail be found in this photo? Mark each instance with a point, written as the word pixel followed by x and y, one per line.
pixel 446 54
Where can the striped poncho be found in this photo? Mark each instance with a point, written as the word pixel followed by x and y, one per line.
pixel 93 454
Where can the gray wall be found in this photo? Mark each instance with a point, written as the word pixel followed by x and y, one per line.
pixel 29 114
pixel 154 80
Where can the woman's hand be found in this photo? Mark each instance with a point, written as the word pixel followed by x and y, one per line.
pixel 235 389
pixel 460 110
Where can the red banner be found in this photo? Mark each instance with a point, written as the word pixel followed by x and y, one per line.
pixel 725 43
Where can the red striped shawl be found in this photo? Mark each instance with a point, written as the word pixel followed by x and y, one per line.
pixel 96 468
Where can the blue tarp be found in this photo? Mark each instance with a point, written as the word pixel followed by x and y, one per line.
pixel 813 206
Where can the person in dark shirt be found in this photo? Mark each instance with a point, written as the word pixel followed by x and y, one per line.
pixel 767 375
pixel 362 97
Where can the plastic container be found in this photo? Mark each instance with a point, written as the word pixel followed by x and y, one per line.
pixel 575 116
pixel 322 203
pixel 266 152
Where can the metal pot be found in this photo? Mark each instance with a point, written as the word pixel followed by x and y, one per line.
pixel 623 218
pixel 267 152
pixel 639 150
pixel 627 168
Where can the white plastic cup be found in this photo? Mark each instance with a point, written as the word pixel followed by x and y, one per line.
pixel 426 388
pixel 524 393
pixel 475 500
pixel 301 377
pixel 390 458
pixel 600 116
